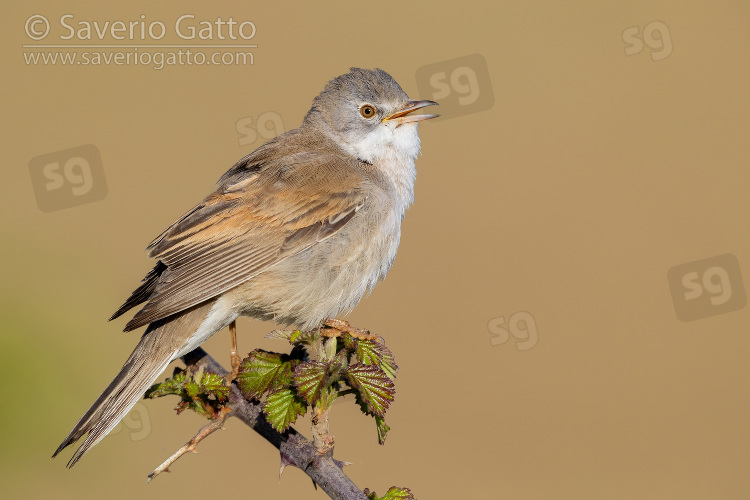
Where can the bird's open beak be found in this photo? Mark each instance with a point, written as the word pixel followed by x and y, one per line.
pixel 402 116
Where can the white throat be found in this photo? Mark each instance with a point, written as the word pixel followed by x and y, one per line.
pixel 392 150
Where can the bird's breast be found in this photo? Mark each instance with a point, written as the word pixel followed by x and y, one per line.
pixel 328 278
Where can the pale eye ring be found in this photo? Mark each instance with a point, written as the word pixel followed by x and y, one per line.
pixel 368 111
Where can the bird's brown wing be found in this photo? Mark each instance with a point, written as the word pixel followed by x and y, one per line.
pixel 264 211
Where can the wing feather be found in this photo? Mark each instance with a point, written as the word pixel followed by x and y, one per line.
pixel 271 205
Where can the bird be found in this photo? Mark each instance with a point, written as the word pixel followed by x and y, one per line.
pixel 296 232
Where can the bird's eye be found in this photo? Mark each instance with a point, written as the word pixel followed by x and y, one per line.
pixel 367 111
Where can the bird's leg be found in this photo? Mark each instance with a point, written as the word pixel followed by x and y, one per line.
pixel 334 327
pixel 235 357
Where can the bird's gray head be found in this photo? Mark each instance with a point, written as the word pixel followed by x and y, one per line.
pixel 368 114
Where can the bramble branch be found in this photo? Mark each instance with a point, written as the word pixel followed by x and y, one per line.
pixel 293 447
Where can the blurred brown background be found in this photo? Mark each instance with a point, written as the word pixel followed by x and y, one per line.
pixel 585 150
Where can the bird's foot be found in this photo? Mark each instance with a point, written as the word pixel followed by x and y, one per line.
pixel 236 360
pixel 334 327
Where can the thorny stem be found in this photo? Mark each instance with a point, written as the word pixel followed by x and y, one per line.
pixel 205 431
pixel 322 438
pixel 325 350
pixel 293 447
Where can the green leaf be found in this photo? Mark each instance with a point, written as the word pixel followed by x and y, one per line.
pixel 172 385
pixel 383 429
pixel 395 493
pixel 294 336
pixel 307 338
pixel 380 424
pixel 195 394
pixel 282 408
pixel 388 363
pixel 213 385
pixel 192 388
pixel 264 371
pixel 373 386
pixel 309 379
pixel 369 352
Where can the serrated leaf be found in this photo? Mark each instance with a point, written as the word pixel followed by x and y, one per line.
pixel 307 338
pixel 309 379
pixel 388 363
pixel 373 386
pixel 383 429
pixel 194 393
pixel 192 388
pixel 282 408
pixel 162 389
pixel 179 376
pixel 264 371
pixel 369 352
pixel 184 405
pixel 170 386
pixel 213 385
pixel 395 493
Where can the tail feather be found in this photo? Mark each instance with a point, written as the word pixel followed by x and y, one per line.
pixel 135 377
pixel 158 346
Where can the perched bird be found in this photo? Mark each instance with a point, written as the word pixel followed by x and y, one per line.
pixel 296 233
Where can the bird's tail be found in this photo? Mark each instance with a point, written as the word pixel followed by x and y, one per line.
pixel 158 346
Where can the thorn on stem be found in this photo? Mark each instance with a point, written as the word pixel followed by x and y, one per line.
pixel 341 464
pixel 285 461
pixel 204 432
